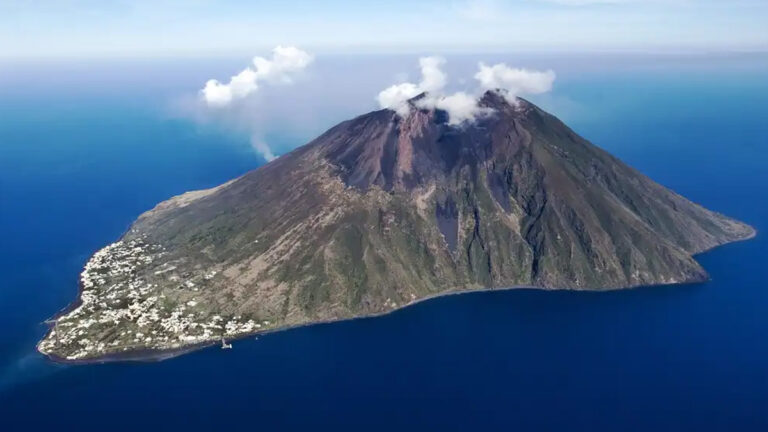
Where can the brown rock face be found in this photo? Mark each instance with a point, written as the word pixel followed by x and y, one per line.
pixel 381 211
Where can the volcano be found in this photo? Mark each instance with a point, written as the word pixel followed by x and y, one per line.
pixel 379 212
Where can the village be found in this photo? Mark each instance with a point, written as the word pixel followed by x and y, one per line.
pixel 118 312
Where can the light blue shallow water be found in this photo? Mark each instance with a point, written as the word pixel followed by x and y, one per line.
pixel 76 168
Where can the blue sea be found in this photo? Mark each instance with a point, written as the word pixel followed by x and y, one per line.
pixel 86 146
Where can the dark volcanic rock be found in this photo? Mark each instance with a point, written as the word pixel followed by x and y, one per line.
pixel 381 211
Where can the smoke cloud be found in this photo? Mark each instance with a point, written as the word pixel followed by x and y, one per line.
pixel 239 105
pixel 396 97
pixel 262 148
pixel 433 79
pixel 234 105
pixel 513 81
pixel 286 61
pixel 462 107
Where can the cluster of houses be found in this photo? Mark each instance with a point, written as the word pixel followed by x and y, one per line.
pixel 119 311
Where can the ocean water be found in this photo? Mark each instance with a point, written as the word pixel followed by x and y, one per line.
pixel 86 149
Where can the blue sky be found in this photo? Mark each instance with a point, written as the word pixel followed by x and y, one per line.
pixel 103 28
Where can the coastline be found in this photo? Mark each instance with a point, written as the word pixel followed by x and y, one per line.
pixel 149 355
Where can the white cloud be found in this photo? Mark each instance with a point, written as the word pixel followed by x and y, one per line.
pixel 217 94
pixel 281 68
pixel 433 79
pixel 286 61
pixel 461 107
pixel 514 81
pixel 396 97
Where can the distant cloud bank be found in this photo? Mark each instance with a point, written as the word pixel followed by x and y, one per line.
pixel 462 106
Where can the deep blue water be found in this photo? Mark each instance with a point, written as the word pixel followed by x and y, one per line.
pixel 77 166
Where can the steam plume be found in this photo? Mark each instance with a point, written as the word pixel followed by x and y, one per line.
pixel 286 61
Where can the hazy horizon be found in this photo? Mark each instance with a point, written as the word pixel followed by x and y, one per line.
pixel 175 28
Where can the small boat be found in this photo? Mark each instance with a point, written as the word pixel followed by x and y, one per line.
pixel 225 345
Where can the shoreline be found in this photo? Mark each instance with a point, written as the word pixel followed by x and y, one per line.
pixel 149 355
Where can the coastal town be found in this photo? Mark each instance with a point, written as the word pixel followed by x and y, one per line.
pixel 118 312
